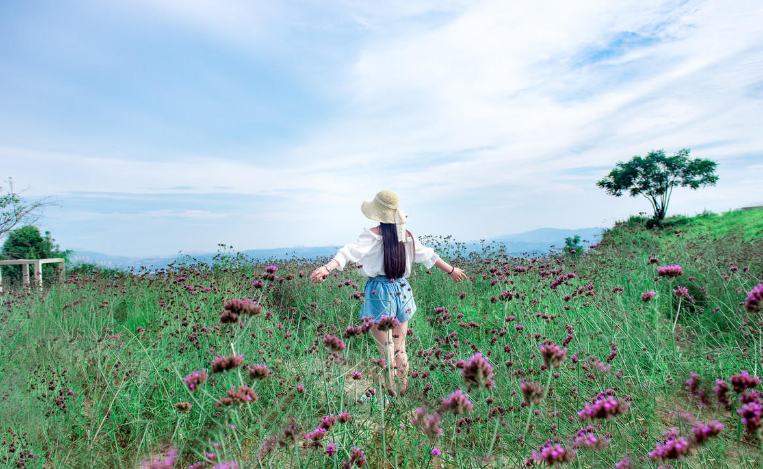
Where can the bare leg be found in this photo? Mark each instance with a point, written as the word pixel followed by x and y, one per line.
pixel 386 350
pixel 401 357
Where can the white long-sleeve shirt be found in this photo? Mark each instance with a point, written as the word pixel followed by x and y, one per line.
pixel 368 250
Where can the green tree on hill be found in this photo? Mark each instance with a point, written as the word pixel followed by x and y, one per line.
pixel 572 245
pixel 655 176
pixel 28 243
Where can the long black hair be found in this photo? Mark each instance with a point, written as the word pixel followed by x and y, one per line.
pixel 394 251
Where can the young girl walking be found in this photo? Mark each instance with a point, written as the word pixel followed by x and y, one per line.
pixel 385 254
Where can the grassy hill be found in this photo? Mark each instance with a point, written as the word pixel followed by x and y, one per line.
pixel 95 372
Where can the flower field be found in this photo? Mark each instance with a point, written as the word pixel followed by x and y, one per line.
pixel 643 351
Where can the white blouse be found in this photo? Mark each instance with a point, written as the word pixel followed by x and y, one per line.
pixel 368 250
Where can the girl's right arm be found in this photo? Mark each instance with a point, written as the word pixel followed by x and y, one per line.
pixel 349 252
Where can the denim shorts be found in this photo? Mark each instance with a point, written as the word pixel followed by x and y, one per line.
pixel 388 298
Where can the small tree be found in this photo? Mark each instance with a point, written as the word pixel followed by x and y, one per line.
pixel 28 243
pixel 15 210
pixel 655 176
pixel 572 245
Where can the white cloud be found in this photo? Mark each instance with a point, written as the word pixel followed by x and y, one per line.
pixel 494 98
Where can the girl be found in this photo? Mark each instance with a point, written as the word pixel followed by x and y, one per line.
pixel 385 254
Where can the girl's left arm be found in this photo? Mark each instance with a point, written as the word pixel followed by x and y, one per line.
pixel 430 258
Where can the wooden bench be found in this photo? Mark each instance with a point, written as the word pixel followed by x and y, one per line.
pixel 37 263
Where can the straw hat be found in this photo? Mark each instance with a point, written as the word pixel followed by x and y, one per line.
pixel 385 208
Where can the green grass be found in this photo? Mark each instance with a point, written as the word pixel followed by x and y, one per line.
pixel 123 344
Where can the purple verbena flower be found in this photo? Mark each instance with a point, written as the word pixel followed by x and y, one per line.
pixel 258 371
pixel 703 432
pixel 333 342
pixel 428 423
pixel 670 271
pixel 220 364
pixel 457 402
pixel 683 292
pixel 532 392
pixel 647 296
pixel 387 323
pixel 243 306
pixel 168 462
pixel 552 454
pixel 330 449
pixel 751 416
pixel 195 379
pixel 754 301
pixel 743 380
pixel 553 355
pixel 478 371
pixel 672 449
pixel 722 393
pixel 603 408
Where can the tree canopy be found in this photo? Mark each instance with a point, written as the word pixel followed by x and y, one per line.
pixel 28 243
pixel 655 175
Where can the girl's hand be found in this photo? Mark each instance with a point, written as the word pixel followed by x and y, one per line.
pixel 457 275
pixel 320 274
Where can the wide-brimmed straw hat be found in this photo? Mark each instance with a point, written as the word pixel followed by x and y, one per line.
pixel 385 208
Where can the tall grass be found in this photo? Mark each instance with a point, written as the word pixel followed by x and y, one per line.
pixel 93 369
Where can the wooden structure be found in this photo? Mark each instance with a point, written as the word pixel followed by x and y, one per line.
pixel 37 264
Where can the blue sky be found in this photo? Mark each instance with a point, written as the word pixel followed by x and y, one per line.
pixel 171 125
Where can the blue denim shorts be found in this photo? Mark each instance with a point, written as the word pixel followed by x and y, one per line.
pixel 388 298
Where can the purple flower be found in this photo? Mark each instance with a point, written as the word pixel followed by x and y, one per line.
pixel 457 402
pixel 195 379
pixel 754 301
pixel 669 271
pixel 334 343
pixel 675 448
pixel 258 371
pixel 683 292
pixel 743 380
pixel 552 454
pixel 271 269
pixel 532 392
pixel 590 440
pixel 478 371
pixel 227 465
pixel 751 414
pixel 243 306
pixel 268 445
pixel 435 452
pixel 604 408
pixel 330 449
pixel 429 424
pixel 693 386
pixel 161 463
pixel 220 364
pixel 357 458
pixel 624 463
pixel 647 296
pixel 387 323
pixel 553 355
pixel 722 393
pixel 313 438
pixel 242 395
pixel 703 432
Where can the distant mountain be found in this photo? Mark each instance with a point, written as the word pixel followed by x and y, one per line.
pixel 535 241
pixel 551 235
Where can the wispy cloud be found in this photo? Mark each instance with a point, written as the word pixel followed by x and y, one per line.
pixel 498 115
